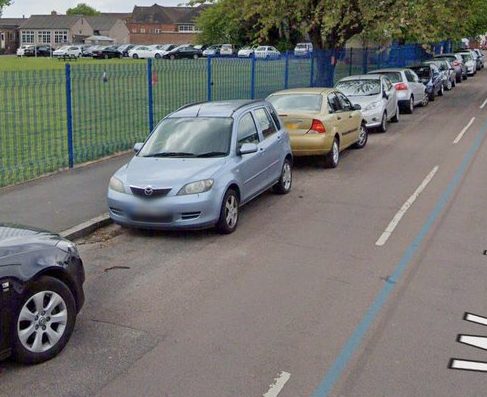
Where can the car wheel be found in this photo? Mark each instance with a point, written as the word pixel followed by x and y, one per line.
pixel 195 56
pixel 120 56
pixel 395 119
pixel 441 91
pixel 229 213
pixel 44 322
pixel 333 157
pixel 135 56
pixel 432 96
pixel 449 85
pixel 172 57
pixel 106 56
pixel 425 101
pixel 283 186
pixel 410 106
pixel 383 123
pixel 158 56
pixel 363 137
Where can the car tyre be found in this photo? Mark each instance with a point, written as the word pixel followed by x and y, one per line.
pixel 383 123
pixel 52 288
pixel 449 85
pixel 410 106
pixel 135 56
pixel 172 57
pixel 158 56
pixel 441 91
pixel 229 213
pixel 425 101
pixel 395 119
pixel 333 157
pixel 285 183
pixel 363 137
pixel 195 56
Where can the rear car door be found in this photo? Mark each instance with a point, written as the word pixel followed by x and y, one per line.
pixel 351 120
pixel 391 96
pixel 417 87
pixel 270 147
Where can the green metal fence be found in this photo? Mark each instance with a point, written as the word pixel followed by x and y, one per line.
pixel 51 120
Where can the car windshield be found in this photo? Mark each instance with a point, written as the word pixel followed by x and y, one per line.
pixel 301 46
pixel 165 47
pixel 260 48
pixel 395 77
pixel 296 102
pixel 64 48
pixel 359 87
pixel 466 57
pixel 423 72
pixel 190 137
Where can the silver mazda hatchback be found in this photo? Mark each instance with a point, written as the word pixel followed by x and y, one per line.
pixel 200 165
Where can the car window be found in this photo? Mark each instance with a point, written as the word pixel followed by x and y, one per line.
pixel 410 76
pixel 296 102
pixel 344 102
pixel 333 103
pixel 265 122
pixel 388 84
pixel 247 131
pixel 275 118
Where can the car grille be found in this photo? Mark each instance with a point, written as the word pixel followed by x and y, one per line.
pixel 156 193
pixel 152 218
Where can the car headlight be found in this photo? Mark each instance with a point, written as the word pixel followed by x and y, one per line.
pixel 67 246
pixel 196 187
pixel 372 106
pixel 116 184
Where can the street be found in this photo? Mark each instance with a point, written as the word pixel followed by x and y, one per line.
pixel 392 240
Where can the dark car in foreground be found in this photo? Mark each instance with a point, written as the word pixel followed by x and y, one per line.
pixel 39 51
pixel 431 77
pixel 184 51
pixel 41 292
pixel 107 53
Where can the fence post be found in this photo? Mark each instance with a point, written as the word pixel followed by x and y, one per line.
pixel 252 77
pixel 351 62
pixel 150 95
pixel 312 70
pixel 210 76
pixel 69 115
pixel 286 72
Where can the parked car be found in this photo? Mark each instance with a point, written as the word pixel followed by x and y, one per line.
pixel 267 52
pixel 303 49
pixel 227 50
pixel 41 292
pixel 200 165
pixel 39 51
pixel 480 56
pixel 159 51
pixel 21 50
pixel 469 62
pixel 141 52
pixel 321 122
pixel 431 77
pixel 448 74
pixel 410 90
pixel 213 50
pixel 183 51
pixel 247 51
pixel 107 53
pixel 125 48
pixel 376 96
pixel 457 62
pixel 201 47
pixel 68 52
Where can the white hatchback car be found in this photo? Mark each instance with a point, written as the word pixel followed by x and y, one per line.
pixel 68 51
pixel 21 50
pixel 247 51
pixel 267 52
pixel 227 50
pixel 141 52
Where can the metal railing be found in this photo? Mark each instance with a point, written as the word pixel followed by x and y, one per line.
pixel 54 119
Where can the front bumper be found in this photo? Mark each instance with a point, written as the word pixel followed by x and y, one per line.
pixel 311 144
pixel 373 118
pixel 194 211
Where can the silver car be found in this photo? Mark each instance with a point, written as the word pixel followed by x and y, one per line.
pixel 469 61
pixel 376 96
pixel 200 165
pixel 411 91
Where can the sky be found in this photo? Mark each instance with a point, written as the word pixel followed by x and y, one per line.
pixel 29 7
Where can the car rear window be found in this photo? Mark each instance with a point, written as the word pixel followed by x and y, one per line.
pixel 359 87
pixel 395 77
pixel 296 102
pixel 423 72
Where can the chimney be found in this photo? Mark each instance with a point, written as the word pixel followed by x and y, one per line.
pixel 53 13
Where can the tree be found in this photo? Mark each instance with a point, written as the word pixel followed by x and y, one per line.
pixel 82 9
pixel 4 3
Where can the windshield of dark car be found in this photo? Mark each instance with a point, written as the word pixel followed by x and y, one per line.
pixel 359 87
pixel 190 137
pixel 296 102
pixel 423 72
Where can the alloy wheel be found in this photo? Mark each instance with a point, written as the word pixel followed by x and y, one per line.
pixel 287 176
pixel 362 137
pixel 336 152
pixel 231 211
pixel 42 321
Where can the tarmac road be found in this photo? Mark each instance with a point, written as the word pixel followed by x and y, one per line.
pixel 197 314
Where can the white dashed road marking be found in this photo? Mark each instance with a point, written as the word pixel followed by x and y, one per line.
pixel 278 384
pixel 462 133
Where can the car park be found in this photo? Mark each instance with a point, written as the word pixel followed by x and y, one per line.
pixel 107 53
pixel 21 50
pixel 303 49
pixel 456 61
pixel 213 50
pixel 38 51
pixel 447 72
pixel 125 48
pixel 480 57
pixel 431 77
pixel 41 292
pixel 321 122
pixel 247 51
pixel 470 63
pixel 183 51
pixel 141 52
pixel 159 51
pixel 68 52
pixel 410 90
pixel 267 52
pixel 200 165
pixel 376 96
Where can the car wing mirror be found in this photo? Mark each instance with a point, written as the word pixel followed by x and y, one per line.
pixel 138 146
pixel 384 95
pixel 248 148
pixel 357 107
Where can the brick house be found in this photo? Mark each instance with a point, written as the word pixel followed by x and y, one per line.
pixel 163 25
pixel 110 26
pixel 9 34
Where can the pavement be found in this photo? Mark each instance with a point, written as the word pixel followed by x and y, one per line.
pixel 300 300
pixel 62 200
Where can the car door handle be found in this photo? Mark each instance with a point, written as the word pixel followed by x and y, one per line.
pixel 339 118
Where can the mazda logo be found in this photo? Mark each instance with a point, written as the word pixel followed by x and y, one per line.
pixel 148 191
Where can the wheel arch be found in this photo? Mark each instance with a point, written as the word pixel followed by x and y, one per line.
pixel 61 275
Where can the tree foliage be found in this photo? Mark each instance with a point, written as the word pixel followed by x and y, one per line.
pixel 3 4
pixel 82 9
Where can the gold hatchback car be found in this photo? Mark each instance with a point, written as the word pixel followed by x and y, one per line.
pixel 320 122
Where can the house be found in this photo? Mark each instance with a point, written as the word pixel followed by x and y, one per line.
pixel 110 26
pixel 99 40
pixel 160 25
pixel 54 29
pixel 9 34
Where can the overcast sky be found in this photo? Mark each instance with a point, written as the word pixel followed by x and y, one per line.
pixel 29 7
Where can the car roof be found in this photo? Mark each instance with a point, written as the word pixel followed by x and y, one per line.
pixel 379 71
pixel 214 109
pixel 313 90
pixel 370 76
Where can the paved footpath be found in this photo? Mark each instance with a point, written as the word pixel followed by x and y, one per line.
pixel 62 200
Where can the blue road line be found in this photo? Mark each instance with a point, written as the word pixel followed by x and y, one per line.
pixel 355 340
